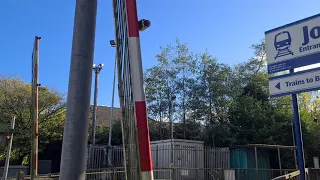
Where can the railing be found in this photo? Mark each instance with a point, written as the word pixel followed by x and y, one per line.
pixel 196 174
pixel 185 174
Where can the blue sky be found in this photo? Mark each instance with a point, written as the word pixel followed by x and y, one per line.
pixel 226 28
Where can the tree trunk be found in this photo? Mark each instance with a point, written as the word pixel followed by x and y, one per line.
pixel 183 105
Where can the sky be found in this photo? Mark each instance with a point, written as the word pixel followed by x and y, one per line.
pixel 225 28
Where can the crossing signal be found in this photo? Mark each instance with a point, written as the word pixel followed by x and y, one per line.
pixel 144 24
pixel 7 138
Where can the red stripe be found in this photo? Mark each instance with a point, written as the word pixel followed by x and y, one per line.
pixel 132 15
pixel 143 136
pixel 35 160
pixel 36 130
pixel 36 102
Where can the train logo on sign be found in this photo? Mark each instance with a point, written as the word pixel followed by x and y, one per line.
pixel 293 45
pixel 282 43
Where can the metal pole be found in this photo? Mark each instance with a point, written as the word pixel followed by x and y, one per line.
pixel 171 138
pixel 171 133
pixel 74 146
pixel 295 147
pixel 111 114
pixel 257 165
pixel 139 99
pixel 112 103
pixel 295 157
pixel 279 159
pixel 120 83
pixel 298 135
pixel 95 104
pixel 34 110
pixel 7 162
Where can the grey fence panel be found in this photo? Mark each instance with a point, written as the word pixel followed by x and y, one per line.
pixel 215 174
pixel 190 163
pixel 314 174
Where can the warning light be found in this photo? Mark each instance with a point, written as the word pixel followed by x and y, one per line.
pixel 7 138
pixel 144 24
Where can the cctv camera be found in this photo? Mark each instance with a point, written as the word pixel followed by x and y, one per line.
pixel 144 24
pixel 112 43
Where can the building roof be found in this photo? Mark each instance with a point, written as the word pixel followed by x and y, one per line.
pixel 266 146
pixel 103 115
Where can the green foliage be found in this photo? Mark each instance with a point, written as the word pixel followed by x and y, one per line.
pixel 102 134
pixel 215 103
pixel 224 105
pixel 15 100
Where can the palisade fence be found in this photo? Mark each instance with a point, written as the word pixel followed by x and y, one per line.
pixel 189 163
pixel 241 174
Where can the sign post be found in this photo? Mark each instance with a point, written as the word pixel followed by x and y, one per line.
pixel 298 134
pixel 6 165
pixel 288 47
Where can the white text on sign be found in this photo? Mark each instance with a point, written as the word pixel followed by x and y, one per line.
pixel 294 83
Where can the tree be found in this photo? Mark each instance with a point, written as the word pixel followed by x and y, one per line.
pixel 223 106
pixel 185 64
pixel 209 99
pixel 102 134
pixel 173 76
pixel 161 86
pixel 309 114
pixel 15 100
pixel 254 118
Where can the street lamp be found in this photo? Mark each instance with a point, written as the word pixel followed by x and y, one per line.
pixel 109 152
pixel 112 44
pixel 96 70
